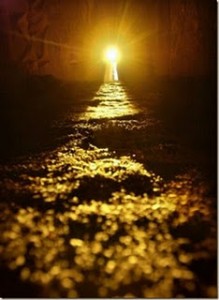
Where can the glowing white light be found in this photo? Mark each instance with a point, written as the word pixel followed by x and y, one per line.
pixel 111 57
pixel 112 54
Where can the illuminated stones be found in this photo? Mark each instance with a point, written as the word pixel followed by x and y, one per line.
pixel 74 242
pixel 139 253
pixel 112 100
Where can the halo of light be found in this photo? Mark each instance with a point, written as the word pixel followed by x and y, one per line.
pixel 112 54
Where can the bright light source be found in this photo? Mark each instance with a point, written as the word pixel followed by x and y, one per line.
pixel 112 54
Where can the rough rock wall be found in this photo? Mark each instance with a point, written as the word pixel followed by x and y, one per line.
pixel 25 25
pixel 65 38
pixel 183 39
pixel 192 40
pixel 46 36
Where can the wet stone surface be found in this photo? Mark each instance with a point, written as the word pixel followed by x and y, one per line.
pixel 120 209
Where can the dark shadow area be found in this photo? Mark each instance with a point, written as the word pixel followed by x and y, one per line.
pixel 30 105
pixel 22 290
pixel 188 108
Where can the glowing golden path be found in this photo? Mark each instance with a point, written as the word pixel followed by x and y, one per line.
pixel 110 101
pixel 84 220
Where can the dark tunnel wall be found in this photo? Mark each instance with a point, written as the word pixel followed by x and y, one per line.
pixel 66 38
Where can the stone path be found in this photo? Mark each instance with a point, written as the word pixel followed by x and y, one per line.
pixel 119 208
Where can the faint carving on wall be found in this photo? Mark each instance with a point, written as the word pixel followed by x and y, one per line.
pixel 33 25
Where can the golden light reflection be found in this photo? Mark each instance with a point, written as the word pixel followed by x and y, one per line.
pixel 130 240
pixel 111 72
pixel 110 101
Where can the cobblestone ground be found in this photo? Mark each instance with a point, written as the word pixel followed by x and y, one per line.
pixel 119 208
